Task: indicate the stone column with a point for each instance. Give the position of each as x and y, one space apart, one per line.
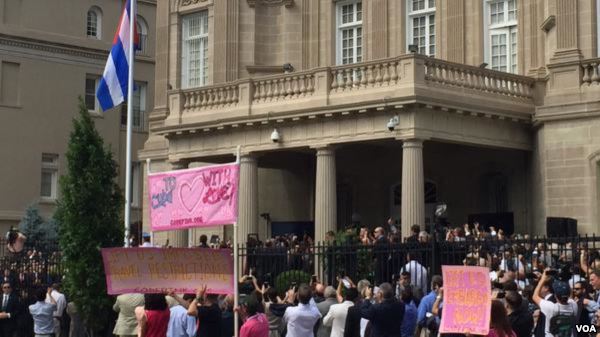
179 238
413 185
325 193
248 198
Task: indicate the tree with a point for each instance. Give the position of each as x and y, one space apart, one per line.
89 213
42 235
31 225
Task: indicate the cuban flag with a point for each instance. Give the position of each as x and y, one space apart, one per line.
112 89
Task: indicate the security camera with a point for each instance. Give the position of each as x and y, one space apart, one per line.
393 123
275 136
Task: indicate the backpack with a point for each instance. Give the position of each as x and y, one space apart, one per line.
563 324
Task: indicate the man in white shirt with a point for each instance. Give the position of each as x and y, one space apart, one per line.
564 306
61 305
336 317
301 319
418 273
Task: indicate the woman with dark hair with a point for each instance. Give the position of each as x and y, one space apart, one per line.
153 317
256 325
499 323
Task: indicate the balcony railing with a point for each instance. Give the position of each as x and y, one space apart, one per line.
388 79
591 72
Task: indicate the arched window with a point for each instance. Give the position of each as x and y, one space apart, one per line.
142 30
94 23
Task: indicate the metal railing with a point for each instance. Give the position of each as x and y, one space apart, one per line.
384 262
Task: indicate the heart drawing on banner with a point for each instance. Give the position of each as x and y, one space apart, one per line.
191 194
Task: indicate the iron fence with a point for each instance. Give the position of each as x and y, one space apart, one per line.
384 262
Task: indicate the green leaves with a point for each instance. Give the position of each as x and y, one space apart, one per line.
89 211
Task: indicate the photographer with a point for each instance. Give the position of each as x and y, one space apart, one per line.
520 320
560 316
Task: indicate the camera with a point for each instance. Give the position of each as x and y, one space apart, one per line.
266 284
275 136
393 122
294 284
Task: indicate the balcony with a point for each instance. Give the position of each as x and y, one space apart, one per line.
392 82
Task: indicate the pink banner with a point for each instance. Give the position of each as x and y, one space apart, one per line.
467 300
157 270
199 197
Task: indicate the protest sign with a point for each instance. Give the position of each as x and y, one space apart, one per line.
199 197
467 300
157 270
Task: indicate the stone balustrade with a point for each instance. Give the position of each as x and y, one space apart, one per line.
276 88
364 75
390 80
455 74
216 96
591 72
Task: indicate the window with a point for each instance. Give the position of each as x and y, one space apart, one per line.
94 22
421 26
195 50
9 83
349 36
91 85
49 176
142 30
139 108
135 184
501 44
598 27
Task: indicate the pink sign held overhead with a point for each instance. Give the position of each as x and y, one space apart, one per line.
467 300
199 197
159 270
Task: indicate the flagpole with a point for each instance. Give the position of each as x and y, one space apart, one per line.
132 17
236 317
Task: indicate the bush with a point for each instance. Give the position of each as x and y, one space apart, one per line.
285 280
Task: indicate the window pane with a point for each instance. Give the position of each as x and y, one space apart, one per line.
512 10
90 94
359 11
46 186
92 24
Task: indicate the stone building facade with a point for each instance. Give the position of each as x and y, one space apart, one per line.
383 108
51 52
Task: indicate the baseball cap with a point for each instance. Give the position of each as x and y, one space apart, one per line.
561 289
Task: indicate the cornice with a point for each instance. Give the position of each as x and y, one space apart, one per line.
59 48
286 3
191 2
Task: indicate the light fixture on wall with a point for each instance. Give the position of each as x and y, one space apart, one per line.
393 122
483 65
275 137
413 48
288 68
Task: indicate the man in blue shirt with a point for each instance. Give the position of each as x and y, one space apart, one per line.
426 304
42 313
409 322
180 323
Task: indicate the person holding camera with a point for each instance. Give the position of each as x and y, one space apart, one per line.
386 315
560 316
301 319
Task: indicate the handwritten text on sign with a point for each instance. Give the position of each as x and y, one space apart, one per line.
154 270
467 300
204 196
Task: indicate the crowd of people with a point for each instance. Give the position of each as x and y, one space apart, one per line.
533 281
